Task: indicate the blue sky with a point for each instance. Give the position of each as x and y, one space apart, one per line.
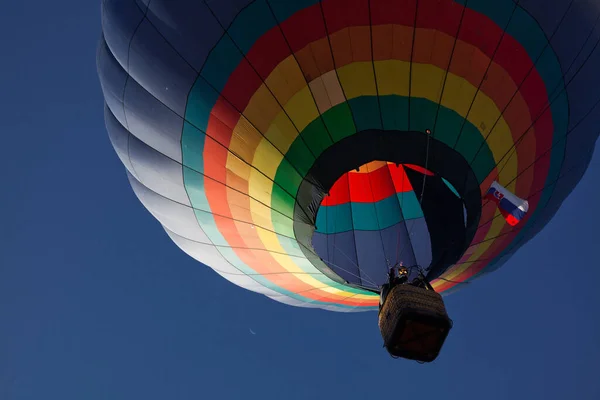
97 303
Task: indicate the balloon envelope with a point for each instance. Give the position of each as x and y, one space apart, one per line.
300 148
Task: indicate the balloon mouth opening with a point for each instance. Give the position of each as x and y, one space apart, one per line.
366 196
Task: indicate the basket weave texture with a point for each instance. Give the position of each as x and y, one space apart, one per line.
404 301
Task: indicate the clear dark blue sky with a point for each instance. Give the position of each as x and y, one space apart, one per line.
97 303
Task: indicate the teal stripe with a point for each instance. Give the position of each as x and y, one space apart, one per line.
192 147
201 100
284 9
222 61
336 218
194 186
251 24
451 187
411 208
368 216
365 110
394 111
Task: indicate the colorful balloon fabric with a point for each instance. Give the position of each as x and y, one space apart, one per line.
301 148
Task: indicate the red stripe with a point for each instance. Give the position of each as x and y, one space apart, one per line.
339 193
417 168
222 121
381 183
360 188
399 178
242 85
368 187
264 63
341 14
384 12
296 28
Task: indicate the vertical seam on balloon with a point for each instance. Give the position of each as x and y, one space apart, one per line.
128 59
354 231
144 12
433 129
407 221
326 228
335 218
374 203
437 112
412 51
483 78
373 66
533 66
399 202
335 65
300 68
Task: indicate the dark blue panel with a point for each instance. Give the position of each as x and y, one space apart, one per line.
584 49
188 26
376 250
157 67
396 244
547 13
143 4
226 11
339 253
421 242
371 258
581 98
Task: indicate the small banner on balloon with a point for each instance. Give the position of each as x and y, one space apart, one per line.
512 208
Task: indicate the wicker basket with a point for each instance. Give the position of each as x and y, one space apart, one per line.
414 323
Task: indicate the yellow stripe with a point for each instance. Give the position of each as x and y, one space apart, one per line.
392 78
301 109
286 80
357 79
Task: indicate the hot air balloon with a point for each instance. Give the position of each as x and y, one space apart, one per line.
304 149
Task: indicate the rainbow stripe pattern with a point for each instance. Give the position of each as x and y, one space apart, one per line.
269 86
